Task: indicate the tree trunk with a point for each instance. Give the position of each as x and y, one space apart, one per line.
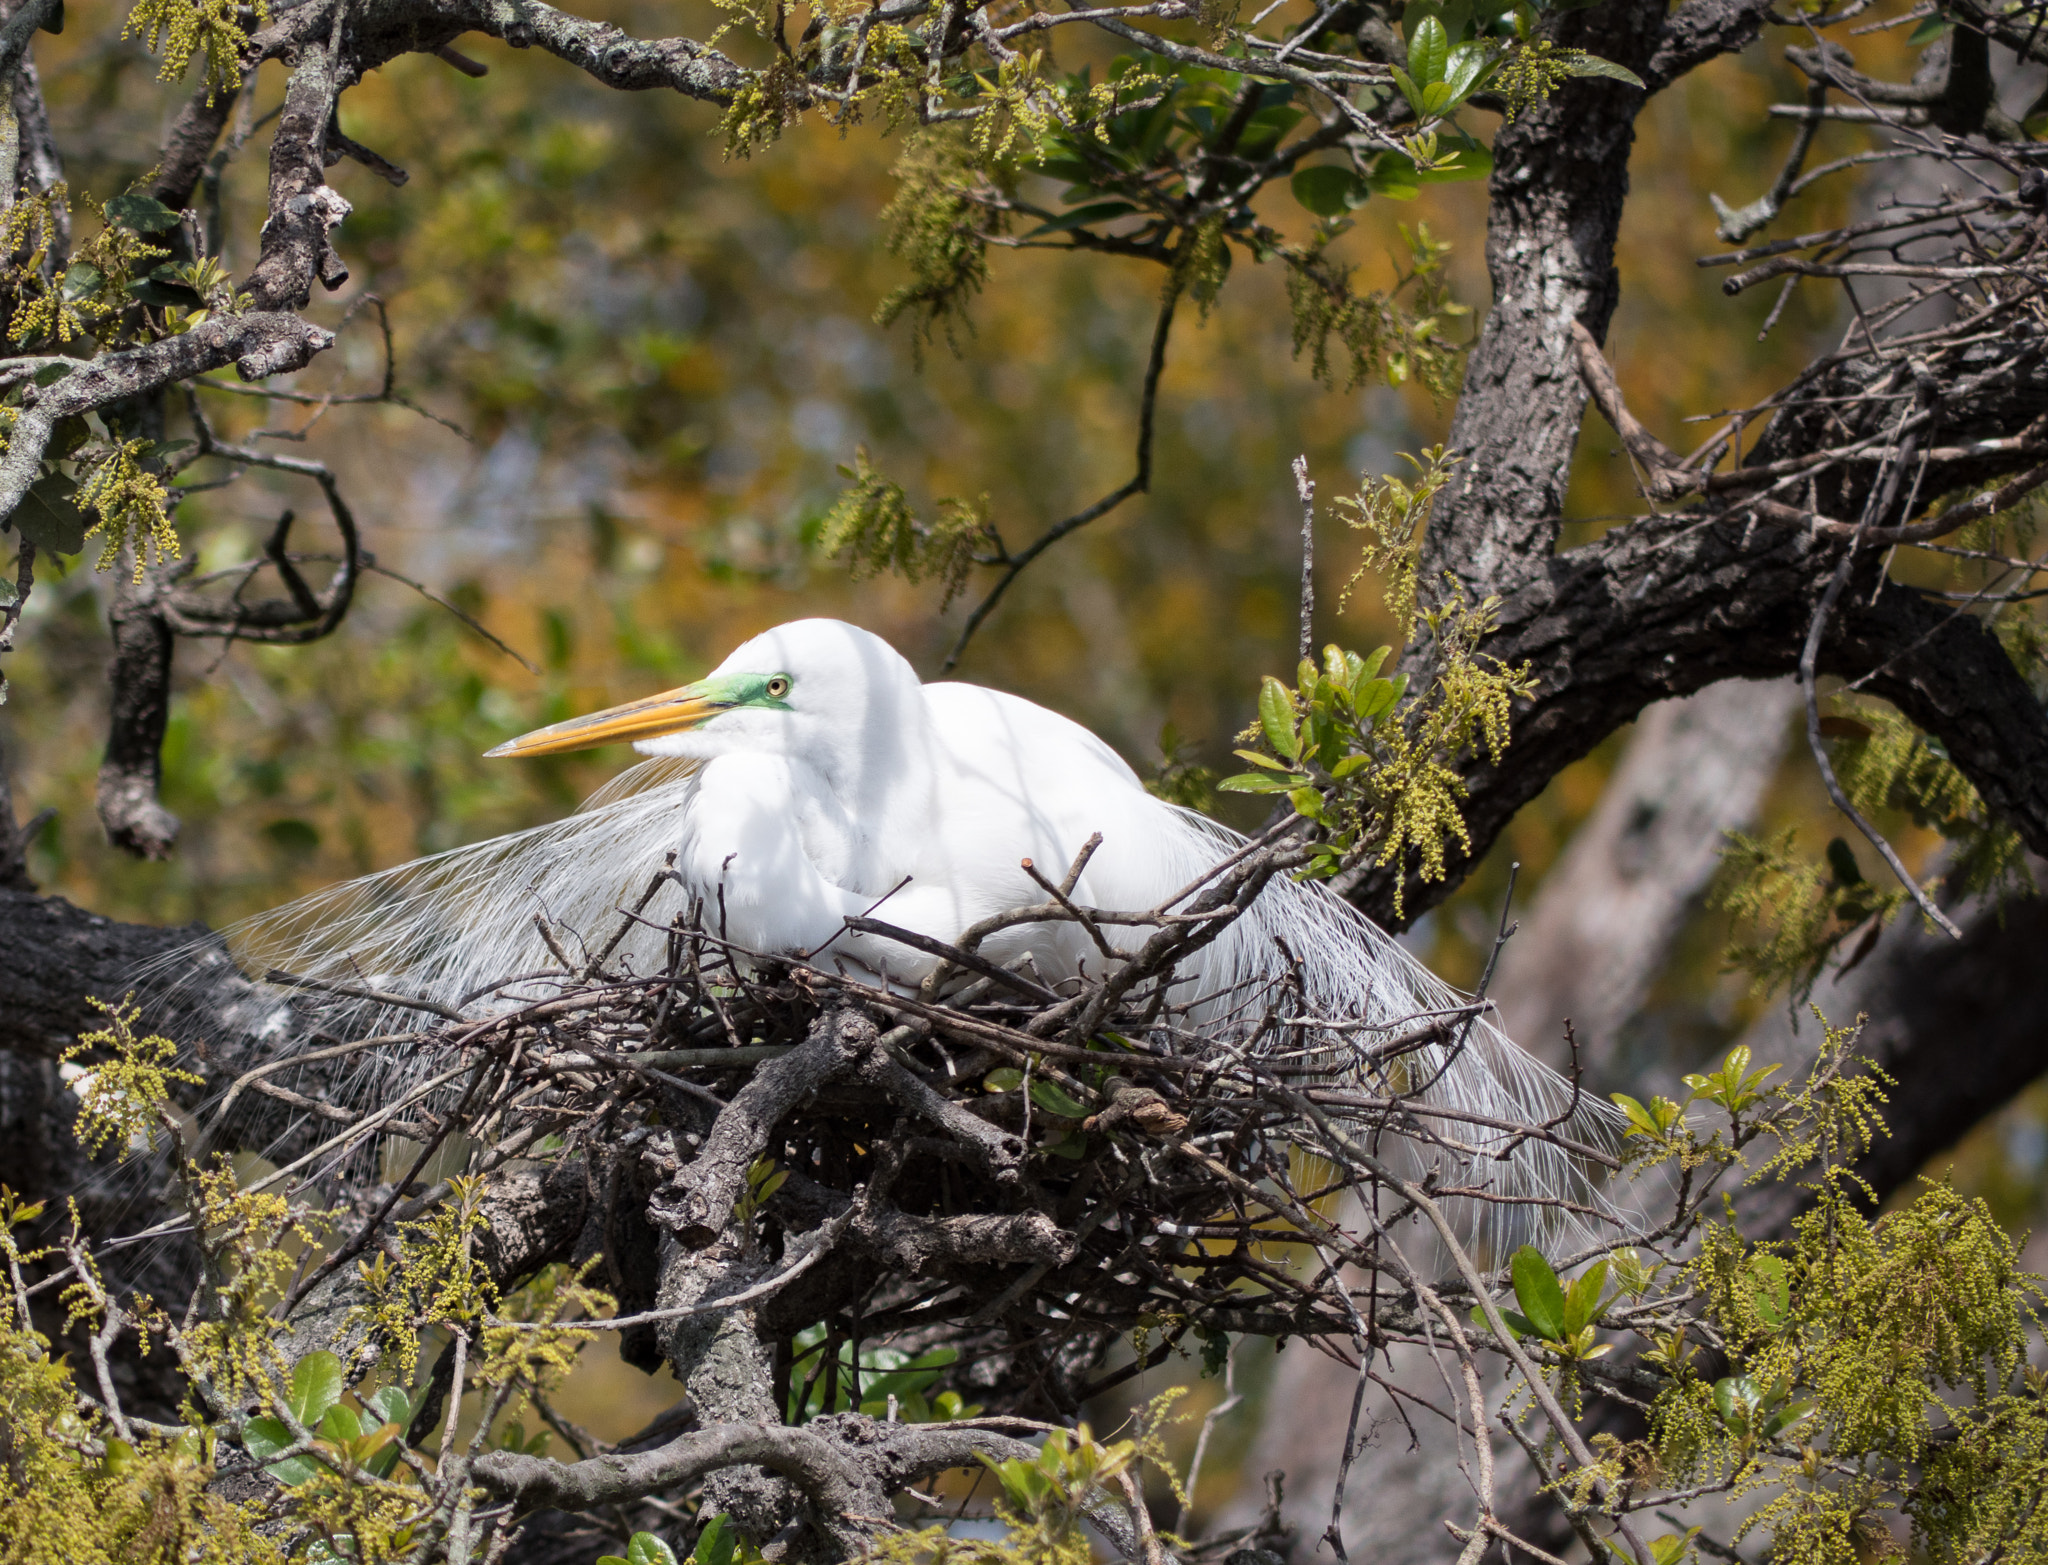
1604 919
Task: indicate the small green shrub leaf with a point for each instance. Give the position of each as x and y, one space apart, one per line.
316 1387
1537 1291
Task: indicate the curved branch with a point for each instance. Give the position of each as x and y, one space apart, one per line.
258 343
601 50
1671 604
814 1464
1140 483
1703 30
305 615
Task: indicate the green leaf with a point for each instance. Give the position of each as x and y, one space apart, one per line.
1049 1096
716 1542
1582 1299
1842 860
1468 65
394 1404
1515 1321
141 214
1428 51
1006 1079
341 1424
66 436
1771 1285
1735 1399
1416 12
1412 93
163 293
1367 667
1265 131
1395 172
1276 716
1670 1548
382 1446
1257 759
1376 697
1260 782
82 280
1593 65
1640 1121
374 1445
48 518
1307 802
1081 217
265 1437
1329 735
1930 28
1158 126
1788 1415
1537 1291
1072 169
646 1549
1328 190
316 1387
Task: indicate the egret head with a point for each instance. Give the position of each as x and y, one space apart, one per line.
817 688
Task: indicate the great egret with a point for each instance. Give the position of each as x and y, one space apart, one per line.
812 778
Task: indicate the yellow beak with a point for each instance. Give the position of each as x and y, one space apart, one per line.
668 713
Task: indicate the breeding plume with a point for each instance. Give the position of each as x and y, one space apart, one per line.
812 779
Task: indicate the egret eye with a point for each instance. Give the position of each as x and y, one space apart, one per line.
778 687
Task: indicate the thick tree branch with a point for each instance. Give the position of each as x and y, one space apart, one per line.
1671 604
189 144
1699 31
609 55
259 343
138 707
697 1202
1559 181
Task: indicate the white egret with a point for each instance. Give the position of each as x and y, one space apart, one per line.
812 778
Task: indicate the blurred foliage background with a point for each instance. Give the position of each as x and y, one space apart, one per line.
658 359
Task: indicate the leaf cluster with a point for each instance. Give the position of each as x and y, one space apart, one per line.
1046 1498
184 28
872 525
1804 911
1379 334
1372 765
93 482
1875 1373
939 224
125 1097
1880 1376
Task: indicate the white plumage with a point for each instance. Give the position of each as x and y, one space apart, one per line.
812 777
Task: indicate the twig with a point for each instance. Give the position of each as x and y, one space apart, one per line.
1140 483
1305 490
